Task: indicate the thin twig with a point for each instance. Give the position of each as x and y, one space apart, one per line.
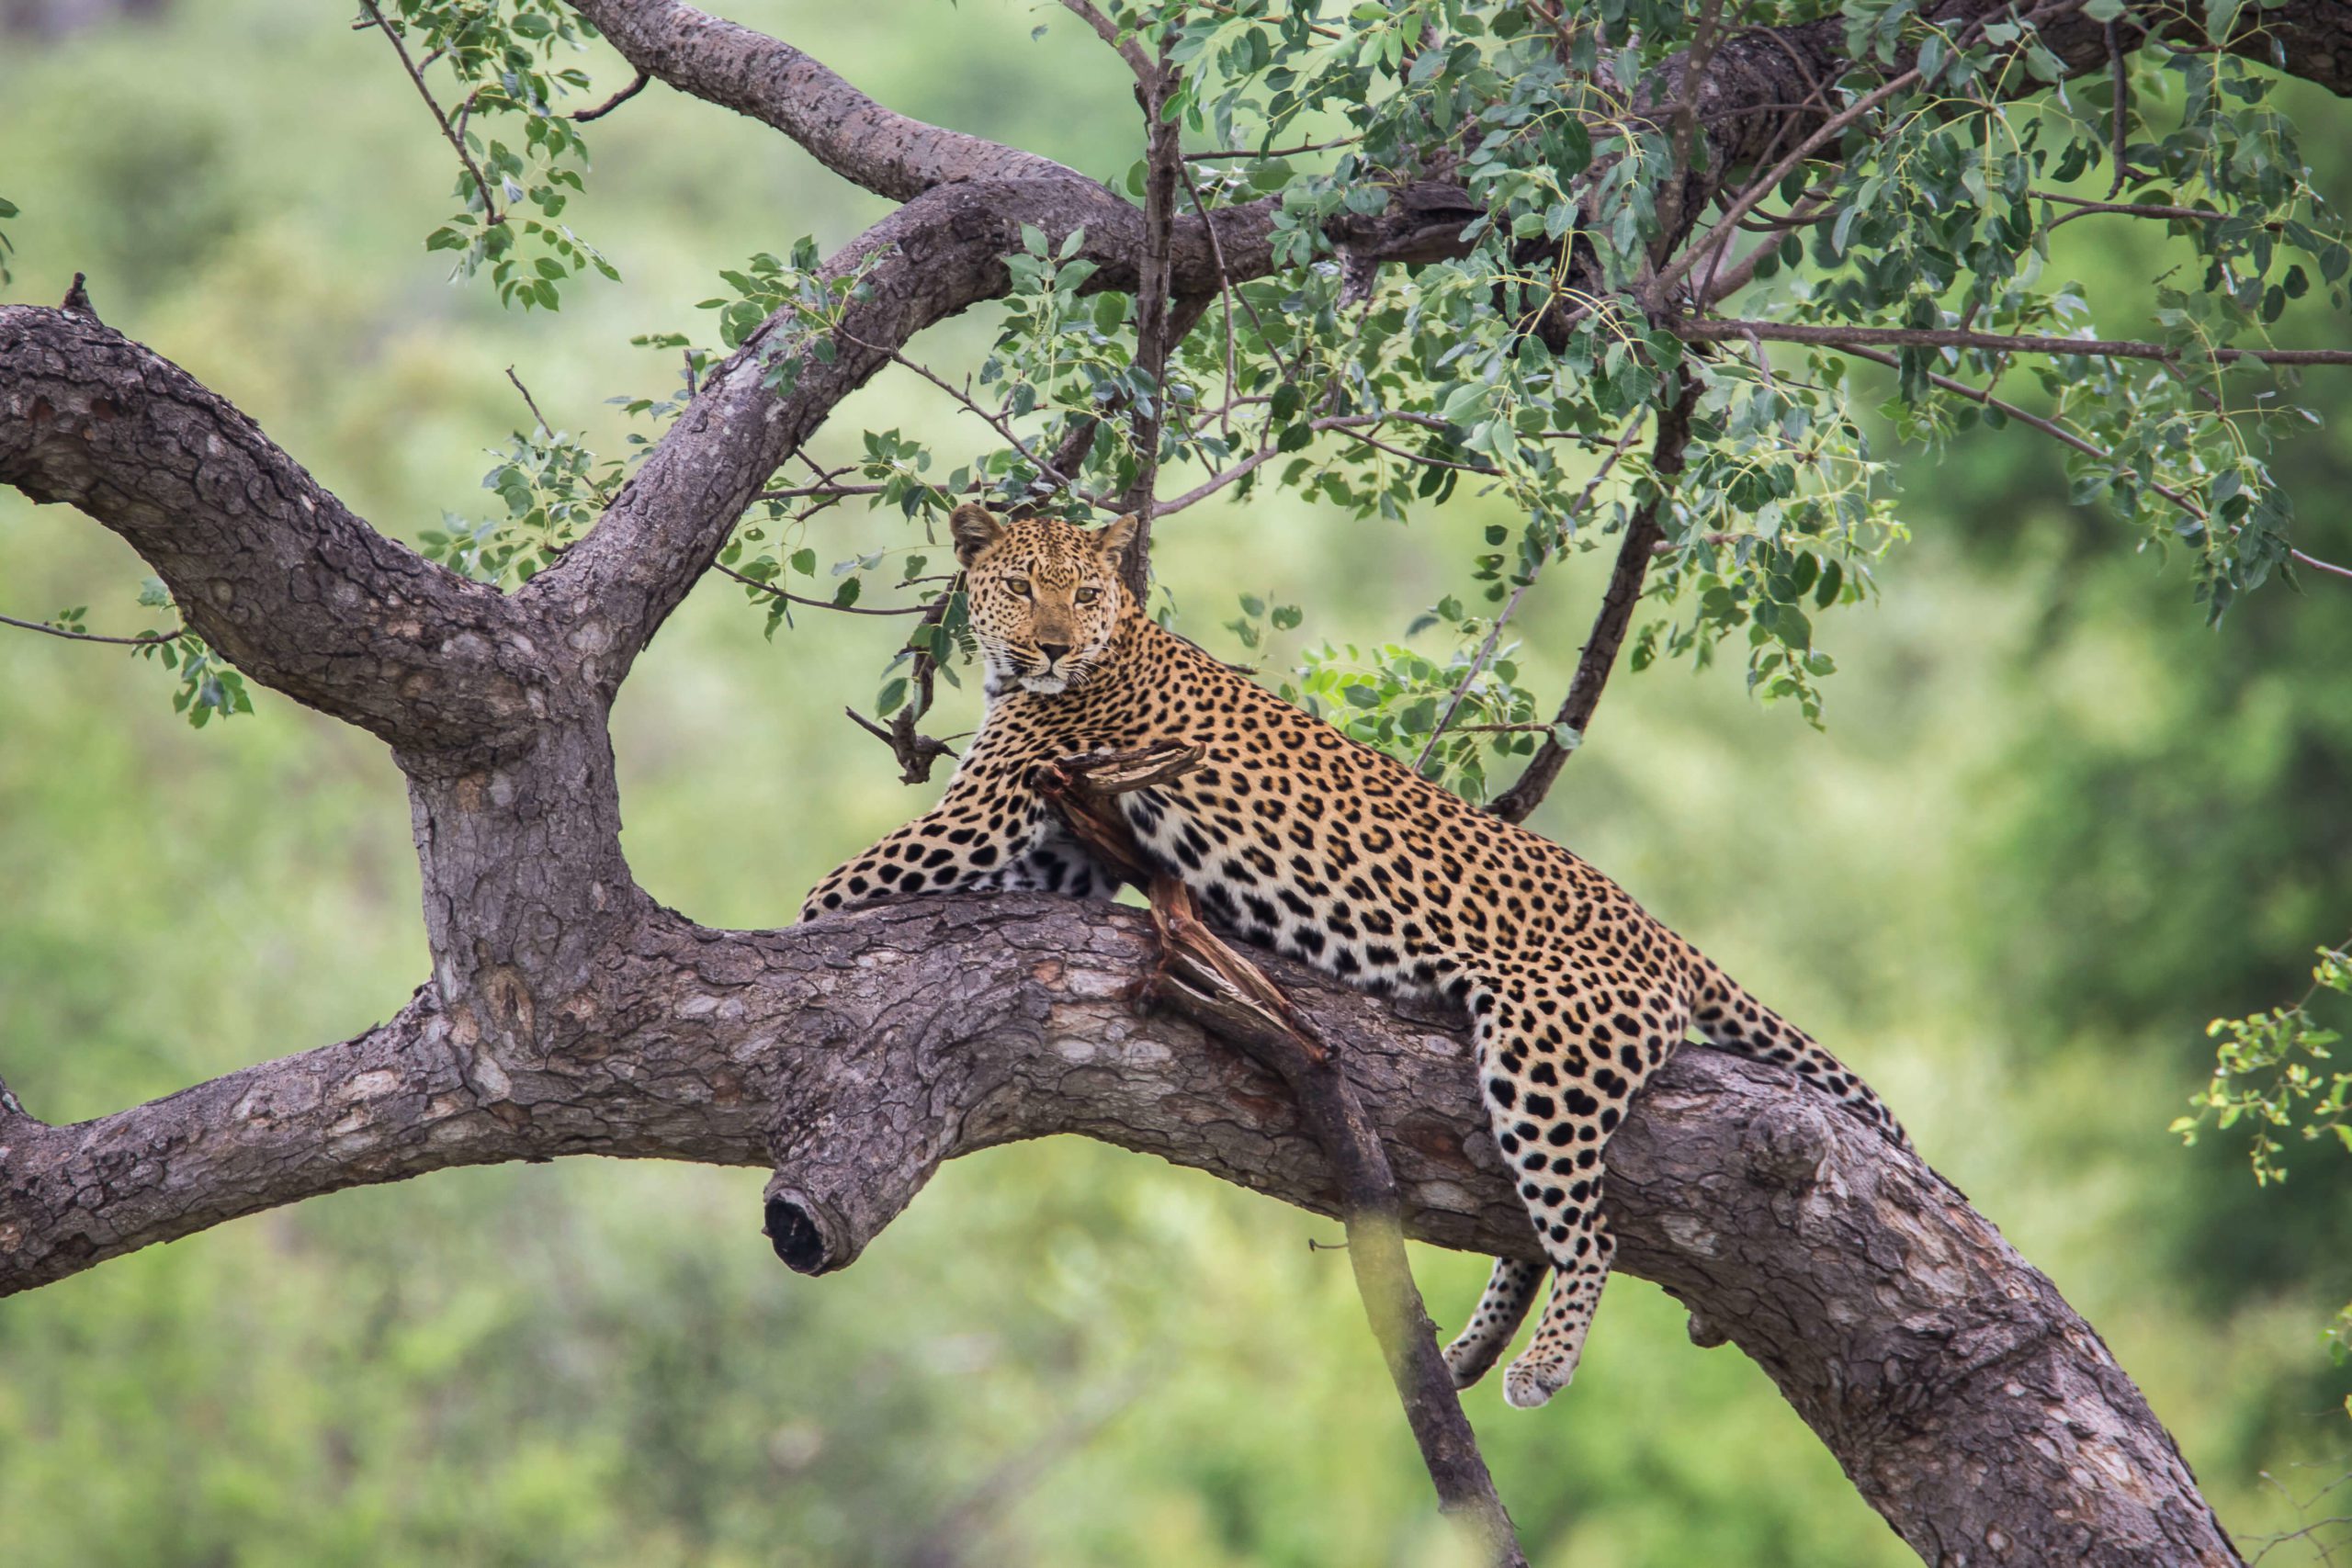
615 101
1224 287
2048 427
146 639
1502 729
491 216
1712 331
2119 74
916 751
1273 152
1108 31
1078 440
529 401
1495 633
2057 432
1474 466
1251 464
818 603
1770 180
1642 532
828 492
2086 208
993 421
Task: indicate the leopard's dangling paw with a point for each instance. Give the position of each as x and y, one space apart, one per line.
1530 1385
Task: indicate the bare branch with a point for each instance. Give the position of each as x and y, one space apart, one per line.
527 401
715 60
2084 207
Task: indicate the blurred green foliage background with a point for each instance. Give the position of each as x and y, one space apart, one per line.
2054 826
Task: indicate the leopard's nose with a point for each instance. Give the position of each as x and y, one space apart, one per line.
1055 652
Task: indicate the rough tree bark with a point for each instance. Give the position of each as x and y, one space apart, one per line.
568 1013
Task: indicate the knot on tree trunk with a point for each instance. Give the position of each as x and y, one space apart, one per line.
1787 1144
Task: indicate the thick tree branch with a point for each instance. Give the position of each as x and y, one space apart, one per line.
937 256
885 152
266 566
1955 1386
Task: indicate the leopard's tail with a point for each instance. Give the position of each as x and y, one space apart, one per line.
1730 1020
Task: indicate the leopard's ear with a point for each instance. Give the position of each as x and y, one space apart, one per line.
1113 539
975 528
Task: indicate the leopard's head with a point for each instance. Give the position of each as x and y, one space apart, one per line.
1046 597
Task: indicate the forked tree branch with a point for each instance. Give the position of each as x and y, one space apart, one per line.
265 565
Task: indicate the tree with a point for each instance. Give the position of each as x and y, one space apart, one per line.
1510 240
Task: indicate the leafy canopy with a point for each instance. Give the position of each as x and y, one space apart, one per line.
1385 395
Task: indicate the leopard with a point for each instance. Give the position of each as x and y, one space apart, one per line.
1291 835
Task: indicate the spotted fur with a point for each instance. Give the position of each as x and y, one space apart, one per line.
1294 836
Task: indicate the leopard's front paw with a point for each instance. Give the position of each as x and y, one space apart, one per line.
1473 1355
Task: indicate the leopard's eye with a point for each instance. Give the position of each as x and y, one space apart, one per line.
1019 585
1088 595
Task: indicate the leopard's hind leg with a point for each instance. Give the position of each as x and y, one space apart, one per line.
1558 1061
